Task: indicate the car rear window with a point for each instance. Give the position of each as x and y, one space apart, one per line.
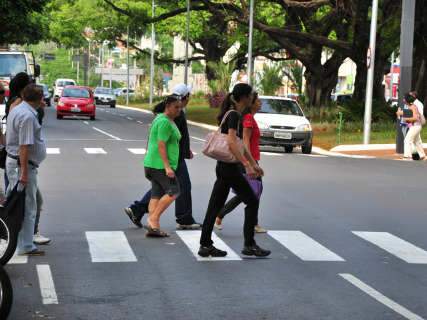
274 106
104 91
75 93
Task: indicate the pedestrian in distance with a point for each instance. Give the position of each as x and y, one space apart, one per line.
26 150
230 176
161 162
412 117
183 204
251 137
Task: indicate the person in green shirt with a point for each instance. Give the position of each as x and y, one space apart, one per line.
161 162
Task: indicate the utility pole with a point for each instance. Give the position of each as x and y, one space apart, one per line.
406 52
187 34
127 63
371 69
251 32
153 42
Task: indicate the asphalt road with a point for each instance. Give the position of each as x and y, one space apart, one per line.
99 266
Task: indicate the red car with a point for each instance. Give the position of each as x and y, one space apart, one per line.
76 101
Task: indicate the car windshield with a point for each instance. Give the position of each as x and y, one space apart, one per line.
274 106
104 91
12 64
75 93
65 83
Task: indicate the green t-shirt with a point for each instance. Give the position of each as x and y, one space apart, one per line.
162 129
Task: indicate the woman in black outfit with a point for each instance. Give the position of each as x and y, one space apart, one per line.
230 175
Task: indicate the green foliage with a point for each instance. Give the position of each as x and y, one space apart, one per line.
22 21
223 73
58 68
270 79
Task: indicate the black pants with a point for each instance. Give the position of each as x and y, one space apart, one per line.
230 176
232 204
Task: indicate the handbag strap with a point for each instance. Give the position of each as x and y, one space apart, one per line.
225 118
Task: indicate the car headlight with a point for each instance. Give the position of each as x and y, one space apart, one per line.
304 127
263 126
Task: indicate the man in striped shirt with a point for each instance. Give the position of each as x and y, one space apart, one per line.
26 150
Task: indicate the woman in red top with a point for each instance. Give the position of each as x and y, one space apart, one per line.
251 136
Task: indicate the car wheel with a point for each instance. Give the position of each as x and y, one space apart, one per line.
92 118
289 149
59 117
113 106
306 148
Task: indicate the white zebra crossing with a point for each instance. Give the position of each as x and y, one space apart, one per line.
137 151
53 151
95 151
303 246
396 246
109 246
191 239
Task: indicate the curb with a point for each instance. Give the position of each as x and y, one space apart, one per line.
316 150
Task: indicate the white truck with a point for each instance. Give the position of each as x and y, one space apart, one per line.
13 62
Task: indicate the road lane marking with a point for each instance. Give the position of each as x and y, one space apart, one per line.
95 151
106 133
271 154
122 115
396 246
198 139
312 155
303 246
47 286
380 297
85 122
17 259
137 151
53 151
129 118
191 238
109 246
140 122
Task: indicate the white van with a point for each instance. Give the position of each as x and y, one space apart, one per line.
283 123
59 86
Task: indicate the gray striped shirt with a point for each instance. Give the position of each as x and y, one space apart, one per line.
23 128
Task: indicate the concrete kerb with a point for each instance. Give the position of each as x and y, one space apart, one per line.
316 150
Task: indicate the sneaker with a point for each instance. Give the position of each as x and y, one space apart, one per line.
218 226
211 251
40 240
132 217
259 229
193 226
256 251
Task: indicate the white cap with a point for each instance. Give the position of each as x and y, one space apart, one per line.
181 90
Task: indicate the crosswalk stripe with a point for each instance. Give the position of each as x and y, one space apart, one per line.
95 151
16 259
272 154
396 246
47 286
380 297
53 151
312 155
191 239
109 246
303 246
137 151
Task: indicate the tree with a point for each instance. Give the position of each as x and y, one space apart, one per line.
420 48
270 79
22 21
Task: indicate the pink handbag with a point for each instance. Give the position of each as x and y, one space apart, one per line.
216 145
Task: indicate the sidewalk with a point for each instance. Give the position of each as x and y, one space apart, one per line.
384 151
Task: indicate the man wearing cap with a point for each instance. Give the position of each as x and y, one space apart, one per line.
183 204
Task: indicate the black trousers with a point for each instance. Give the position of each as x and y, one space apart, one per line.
230 176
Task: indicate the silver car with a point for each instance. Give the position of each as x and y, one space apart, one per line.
105 96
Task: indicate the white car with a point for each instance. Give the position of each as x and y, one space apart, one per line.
121 92
59 86
105 96
283 123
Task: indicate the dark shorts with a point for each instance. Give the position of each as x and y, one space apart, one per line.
161 184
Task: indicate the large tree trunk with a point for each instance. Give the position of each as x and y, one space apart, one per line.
322 80
419 72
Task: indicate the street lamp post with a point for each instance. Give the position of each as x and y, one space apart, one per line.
153 42
127 67
251 30
187 35
371 68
